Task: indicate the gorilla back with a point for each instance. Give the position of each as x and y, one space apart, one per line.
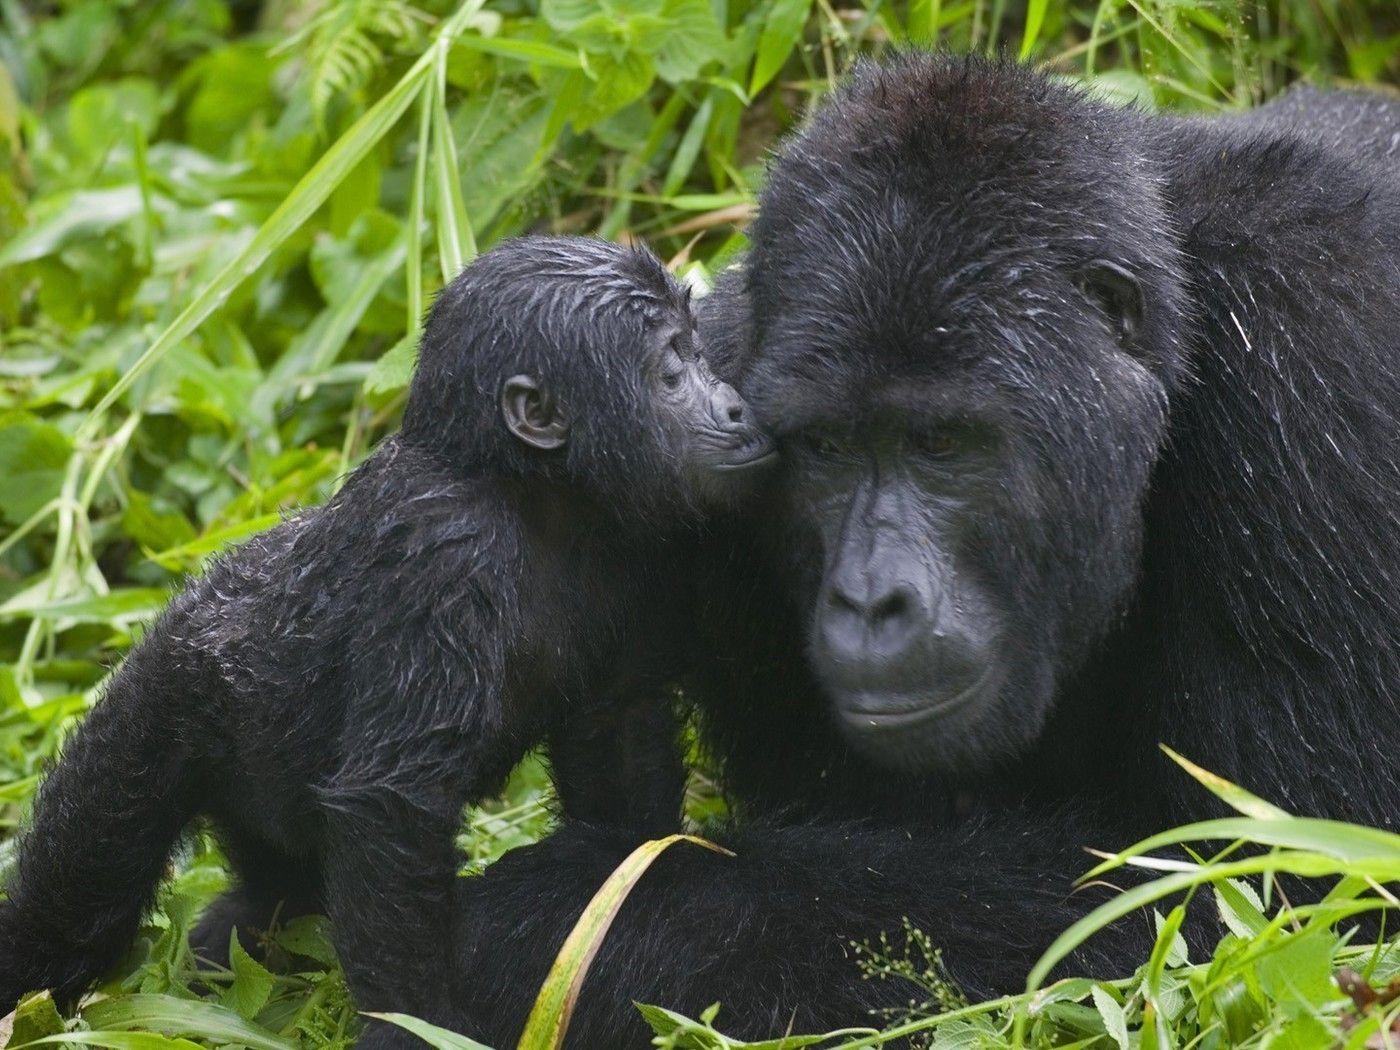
333 692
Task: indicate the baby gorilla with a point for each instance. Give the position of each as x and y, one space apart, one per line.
331 694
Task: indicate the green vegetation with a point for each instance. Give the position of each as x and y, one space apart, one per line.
219 225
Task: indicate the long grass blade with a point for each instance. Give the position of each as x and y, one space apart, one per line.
549 1020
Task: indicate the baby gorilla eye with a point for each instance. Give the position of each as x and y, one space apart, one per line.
672 370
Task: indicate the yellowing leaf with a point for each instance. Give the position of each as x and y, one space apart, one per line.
549 1019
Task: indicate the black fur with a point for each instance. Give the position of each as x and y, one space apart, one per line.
333 692
1183 528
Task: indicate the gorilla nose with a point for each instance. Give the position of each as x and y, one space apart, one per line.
879 614
728 407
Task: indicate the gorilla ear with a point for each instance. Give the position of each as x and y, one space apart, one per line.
530 413
1118 293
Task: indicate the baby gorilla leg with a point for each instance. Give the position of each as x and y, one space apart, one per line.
273 888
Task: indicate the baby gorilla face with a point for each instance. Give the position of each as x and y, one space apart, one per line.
707 425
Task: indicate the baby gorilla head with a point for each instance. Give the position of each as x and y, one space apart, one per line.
578 360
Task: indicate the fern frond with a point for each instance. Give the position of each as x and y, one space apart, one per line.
343 45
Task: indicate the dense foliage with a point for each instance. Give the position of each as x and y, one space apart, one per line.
219 225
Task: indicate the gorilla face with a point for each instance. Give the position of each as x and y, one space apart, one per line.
968 379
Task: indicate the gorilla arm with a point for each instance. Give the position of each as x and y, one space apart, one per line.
768 933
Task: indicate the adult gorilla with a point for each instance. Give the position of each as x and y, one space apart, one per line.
1091 428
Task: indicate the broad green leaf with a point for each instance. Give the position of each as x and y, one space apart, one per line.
252 983
1298 973
36 1017
113 1040
533 51
549 1019
68 217
689 39
308 935
33 457
186 555
124 605
394 369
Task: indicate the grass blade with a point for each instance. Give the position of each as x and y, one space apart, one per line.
298 206
431 1034
1234 796
549 1019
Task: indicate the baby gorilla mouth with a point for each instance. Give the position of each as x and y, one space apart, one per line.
750 450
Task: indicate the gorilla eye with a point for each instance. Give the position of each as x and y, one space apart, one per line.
948 440
940 442
671 380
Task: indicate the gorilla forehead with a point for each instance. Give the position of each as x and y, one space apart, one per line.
929 222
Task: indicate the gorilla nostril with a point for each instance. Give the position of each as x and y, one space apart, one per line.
843 603
736 413
893 606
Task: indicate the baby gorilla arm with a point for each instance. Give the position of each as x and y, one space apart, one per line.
422 739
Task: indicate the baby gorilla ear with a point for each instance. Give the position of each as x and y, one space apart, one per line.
531 414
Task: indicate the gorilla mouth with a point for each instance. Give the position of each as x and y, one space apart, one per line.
755 452
867 711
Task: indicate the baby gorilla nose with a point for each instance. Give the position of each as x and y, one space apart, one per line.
728 405
740 444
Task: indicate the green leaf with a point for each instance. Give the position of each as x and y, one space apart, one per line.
1035 17
33 457
186 555
456 243
192 1017
1111 1010
308 935
67 217
620 82
549 1019
1298 973
1233 795
36 1017
532 51
124 605
689 40
114 1040
299 205
1240 908
394 369
252 983
152 527
434 1036
781 32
